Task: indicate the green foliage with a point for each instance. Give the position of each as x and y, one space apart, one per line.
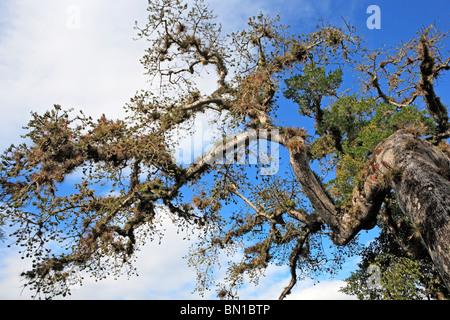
351 127
400 280
308 88
405 267
376 123
364 123
401 277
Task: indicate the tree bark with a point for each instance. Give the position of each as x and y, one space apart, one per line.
417 171
423 192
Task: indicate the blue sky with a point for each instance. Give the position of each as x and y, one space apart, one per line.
93 65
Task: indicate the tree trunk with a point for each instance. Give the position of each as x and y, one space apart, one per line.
417 171
423 192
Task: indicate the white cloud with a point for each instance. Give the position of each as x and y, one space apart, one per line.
324 290
162 273
278 277
44 62
10 268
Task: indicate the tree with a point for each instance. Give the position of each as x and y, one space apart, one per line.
396 265
368 142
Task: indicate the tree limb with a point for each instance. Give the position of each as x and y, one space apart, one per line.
293 260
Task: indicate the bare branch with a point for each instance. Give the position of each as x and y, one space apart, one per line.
293 261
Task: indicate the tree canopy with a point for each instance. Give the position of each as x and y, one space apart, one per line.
373 143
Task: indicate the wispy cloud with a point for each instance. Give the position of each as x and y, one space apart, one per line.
43 61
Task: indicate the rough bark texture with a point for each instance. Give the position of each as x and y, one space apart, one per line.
423 191
416 170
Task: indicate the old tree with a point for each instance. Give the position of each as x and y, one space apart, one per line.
375 155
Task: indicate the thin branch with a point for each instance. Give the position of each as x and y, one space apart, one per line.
293 260
235 190
206 102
